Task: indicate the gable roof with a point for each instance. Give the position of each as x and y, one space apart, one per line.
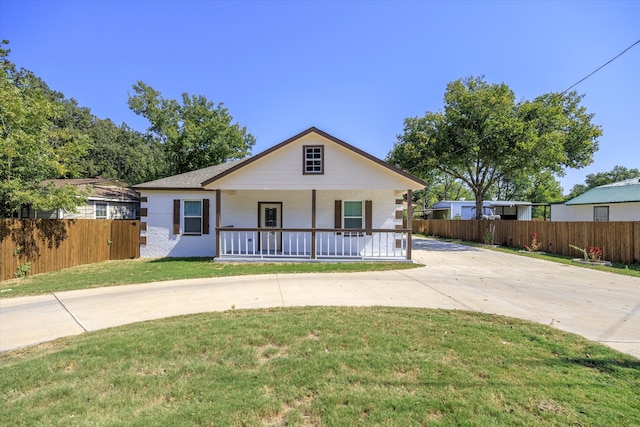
324 135
618 192
196 180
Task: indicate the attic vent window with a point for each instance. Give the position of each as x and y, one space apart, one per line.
313 160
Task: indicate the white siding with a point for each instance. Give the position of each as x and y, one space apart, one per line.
560 212
82 212
465 212
161 242
624 212
617 212
115 210
524 213
343 169
239 209
583 213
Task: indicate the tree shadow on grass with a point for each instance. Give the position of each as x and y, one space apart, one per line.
605 365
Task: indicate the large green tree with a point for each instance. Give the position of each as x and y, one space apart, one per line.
112 151
34 146
195 133
119 152
618 173
484 135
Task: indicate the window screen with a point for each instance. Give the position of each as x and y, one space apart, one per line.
192 216
353 215
101 211
601 213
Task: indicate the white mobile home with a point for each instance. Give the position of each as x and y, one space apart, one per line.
466 209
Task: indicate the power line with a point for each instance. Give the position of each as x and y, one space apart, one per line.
600 67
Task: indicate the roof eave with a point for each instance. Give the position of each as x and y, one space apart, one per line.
111 199
606 202
170 188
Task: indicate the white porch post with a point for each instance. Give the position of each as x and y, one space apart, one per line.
313 224
218 223
409 221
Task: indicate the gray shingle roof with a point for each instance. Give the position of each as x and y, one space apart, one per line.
99 188
189 180
618 192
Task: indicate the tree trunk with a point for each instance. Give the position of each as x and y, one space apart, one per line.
479 210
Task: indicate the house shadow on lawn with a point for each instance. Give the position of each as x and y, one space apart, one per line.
179 259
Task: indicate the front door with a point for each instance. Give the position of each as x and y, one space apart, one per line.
270 216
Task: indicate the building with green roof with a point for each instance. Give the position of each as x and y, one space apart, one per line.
619 201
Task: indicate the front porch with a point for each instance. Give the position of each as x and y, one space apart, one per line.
307 244
360 232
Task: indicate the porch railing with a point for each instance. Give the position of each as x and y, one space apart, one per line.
305 243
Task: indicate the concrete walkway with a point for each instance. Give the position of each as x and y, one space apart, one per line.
601 306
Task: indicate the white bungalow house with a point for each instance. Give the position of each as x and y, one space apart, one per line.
492 209
312 196
619 201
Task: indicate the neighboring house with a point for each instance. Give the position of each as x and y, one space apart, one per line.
493 209
312 196
106 199
619 201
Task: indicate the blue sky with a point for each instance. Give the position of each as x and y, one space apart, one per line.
355 69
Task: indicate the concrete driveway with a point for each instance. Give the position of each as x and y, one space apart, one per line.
601 306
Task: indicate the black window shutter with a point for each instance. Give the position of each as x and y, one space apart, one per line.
368 216
337 222
205 216
176 216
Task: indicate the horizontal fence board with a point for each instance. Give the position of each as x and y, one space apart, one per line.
619 241
52 244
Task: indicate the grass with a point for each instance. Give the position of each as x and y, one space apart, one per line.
115 273
321 366
632 270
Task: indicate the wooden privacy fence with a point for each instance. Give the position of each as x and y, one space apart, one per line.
41 245
619 241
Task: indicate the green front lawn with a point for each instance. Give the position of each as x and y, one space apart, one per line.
322 366
114 273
